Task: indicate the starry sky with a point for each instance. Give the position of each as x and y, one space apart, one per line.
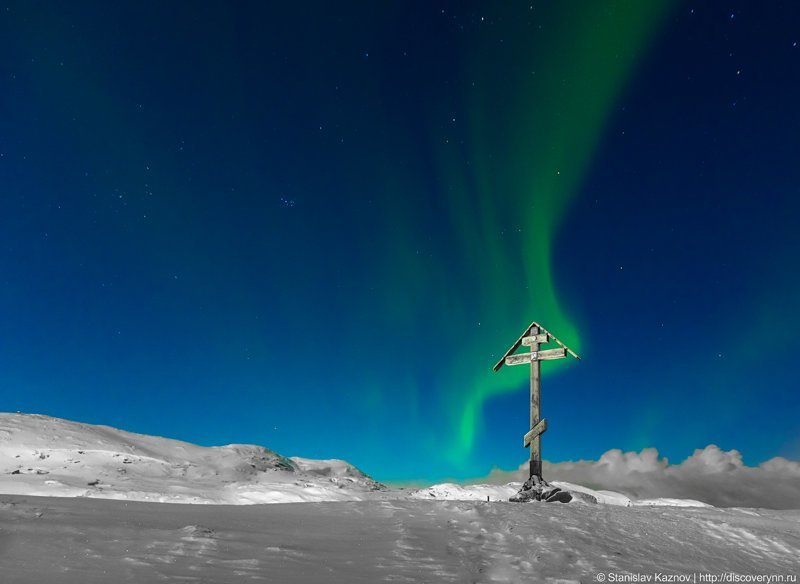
316 226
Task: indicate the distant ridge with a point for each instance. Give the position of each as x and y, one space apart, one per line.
42 455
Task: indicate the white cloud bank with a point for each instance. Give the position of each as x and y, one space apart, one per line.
710 475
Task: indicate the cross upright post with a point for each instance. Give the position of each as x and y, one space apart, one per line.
534 336
536 443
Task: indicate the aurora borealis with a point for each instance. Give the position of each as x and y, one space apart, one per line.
316 228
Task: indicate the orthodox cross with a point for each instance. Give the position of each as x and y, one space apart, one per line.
534 336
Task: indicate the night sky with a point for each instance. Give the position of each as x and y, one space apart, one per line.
316 226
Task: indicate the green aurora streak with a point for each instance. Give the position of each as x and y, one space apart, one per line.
537 105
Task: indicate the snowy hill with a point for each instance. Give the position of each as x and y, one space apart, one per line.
46 456
580 494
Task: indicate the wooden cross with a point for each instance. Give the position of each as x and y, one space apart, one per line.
534 336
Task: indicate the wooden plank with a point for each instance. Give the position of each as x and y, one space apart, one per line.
513 347
548 355
554 338
538 429
521 359
551 354
534 339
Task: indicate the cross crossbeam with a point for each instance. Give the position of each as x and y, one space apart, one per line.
524 358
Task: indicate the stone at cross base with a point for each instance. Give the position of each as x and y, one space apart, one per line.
538 489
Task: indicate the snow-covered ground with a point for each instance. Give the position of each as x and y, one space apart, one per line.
76 540
56 527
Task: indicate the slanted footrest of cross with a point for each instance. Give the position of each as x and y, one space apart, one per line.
539 428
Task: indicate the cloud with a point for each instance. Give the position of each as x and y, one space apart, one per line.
711 475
